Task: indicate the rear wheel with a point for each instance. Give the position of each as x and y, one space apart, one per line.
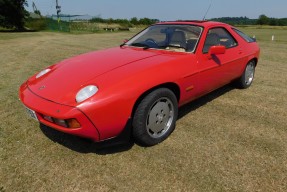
155 117
247 77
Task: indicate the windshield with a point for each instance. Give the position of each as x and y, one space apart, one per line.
182 38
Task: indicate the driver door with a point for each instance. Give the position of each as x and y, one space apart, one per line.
219 69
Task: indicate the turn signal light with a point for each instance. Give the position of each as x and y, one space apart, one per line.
73 123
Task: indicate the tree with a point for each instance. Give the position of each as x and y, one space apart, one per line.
97 20
134 21
13 13
282 22
38 12
273 22
146 21
263 20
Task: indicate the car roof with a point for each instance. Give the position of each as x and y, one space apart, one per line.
203 23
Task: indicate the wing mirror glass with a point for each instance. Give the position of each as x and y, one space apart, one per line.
216 50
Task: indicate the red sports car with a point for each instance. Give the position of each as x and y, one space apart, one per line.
143 81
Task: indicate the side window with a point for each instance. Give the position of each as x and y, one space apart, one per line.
244 36
218 36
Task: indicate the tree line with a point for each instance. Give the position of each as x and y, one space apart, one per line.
128 22
262 20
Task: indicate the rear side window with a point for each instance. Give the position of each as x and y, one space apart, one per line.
244 36
219 36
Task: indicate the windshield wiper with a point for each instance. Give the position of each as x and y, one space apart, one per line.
144 46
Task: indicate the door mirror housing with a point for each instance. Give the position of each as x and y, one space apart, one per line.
216 50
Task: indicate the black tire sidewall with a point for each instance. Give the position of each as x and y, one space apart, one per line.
140 133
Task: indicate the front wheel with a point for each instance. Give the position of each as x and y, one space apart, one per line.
155 117
247 77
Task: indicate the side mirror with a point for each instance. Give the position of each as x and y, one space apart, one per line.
125 40
216 50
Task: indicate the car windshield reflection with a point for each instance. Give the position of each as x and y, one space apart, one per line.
181 38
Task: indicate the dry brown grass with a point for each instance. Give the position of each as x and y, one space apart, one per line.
229 140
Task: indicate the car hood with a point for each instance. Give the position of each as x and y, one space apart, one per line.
66 78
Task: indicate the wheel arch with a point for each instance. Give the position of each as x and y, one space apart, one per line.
171 86
255 59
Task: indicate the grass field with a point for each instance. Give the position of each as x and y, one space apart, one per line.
229 140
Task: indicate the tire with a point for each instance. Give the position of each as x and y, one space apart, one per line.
155 116
247 76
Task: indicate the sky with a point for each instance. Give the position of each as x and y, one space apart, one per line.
165 10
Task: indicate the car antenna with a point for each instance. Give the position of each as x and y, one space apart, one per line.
207 10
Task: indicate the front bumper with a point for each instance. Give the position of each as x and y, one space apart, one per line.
44 107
